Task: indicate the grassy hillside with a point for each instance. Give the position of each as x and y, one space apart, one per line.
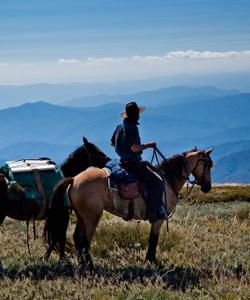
205 255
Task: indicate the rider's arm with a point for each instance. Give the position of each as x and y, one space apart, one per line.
141 147
134 141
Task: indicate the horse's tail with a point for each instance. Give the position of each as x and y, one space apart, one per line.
58 215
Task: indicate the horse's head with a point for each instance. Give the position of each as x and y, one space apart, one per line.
200 164
96 156
83 157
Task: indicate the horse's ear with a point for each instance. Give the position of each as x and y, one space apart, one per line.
85 141
209 150
195 148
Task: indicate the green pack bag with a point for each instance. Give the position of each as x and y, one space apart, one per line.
38 177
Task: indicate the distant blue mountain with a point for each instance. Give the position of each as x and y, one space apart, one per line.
43 129
230 148
2 161
171 95
36 149
57 93
234 167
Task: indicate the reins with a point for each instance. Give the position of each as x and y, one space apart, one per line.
157 152
155 156
192 182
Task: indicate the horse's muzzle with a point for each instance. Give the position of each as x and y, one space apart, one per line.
205 188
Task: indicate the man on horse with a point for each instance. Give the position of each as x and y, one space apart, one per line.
128 146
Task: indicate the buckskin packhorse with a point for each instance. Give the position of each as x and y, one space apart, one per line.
90 195
24 209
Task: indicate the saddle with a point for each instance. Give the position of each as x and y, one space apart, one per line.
128 193
127 182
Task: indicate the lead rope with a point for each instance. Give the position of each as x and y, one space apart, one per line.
188 192
28 237
154 156
192 182
34 229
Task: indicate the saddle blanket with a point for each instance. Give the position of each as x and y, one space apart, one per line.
126 208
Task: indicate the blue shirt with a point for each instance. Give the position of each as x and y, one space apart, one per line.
126 135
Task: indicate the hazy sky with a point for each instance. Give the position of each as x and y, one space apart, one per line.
93 40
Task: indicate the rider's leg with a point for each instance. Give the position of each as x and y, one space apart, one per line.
155 190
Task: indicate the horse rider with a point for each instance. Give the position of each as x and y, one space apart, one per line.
128 146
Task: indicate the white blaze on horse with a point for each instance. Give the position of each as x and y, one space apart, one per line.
90 195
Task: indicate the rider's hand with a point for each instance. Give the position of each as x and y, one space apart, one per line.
152 145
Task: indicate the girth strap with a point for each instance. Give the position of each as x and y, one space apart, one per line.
40 188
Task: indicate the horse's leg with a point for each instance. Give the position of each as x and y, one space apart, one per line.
48 252
82 246
2 217
153 240
77 236
82 236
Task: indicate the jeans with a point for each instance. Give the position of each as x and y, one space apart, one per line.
155 189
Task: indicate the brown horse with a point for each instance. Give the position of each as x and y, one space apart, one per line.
89 195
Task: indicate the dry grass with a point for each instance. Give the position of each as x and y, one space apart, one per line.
204 256
220 193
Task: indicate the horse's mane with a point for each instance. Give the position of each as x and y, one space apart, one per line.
77 150
173 166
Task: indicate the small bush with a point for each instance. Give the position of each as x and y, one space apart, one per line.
219 194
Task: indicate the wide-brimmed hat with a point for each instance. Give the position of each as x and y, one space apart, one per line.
132 108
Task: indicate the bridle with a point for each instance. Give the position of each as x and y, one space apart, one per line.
206 166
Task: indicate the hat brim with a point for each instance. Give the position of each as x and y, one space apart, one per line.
141 110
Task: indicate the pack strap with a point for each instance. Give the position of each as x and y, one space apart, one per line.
40 188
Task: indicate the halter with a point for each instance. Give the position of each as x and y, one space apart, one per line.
187 178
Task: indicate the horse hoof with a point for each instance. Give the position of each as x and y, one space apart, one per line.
1 270
45 258
151 260
85 269
63 260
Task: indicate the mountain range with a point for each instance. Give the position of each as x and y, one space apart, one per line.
13 95
172 95
178 121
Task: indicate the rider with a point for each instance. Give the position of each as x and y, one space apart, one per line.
128 146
